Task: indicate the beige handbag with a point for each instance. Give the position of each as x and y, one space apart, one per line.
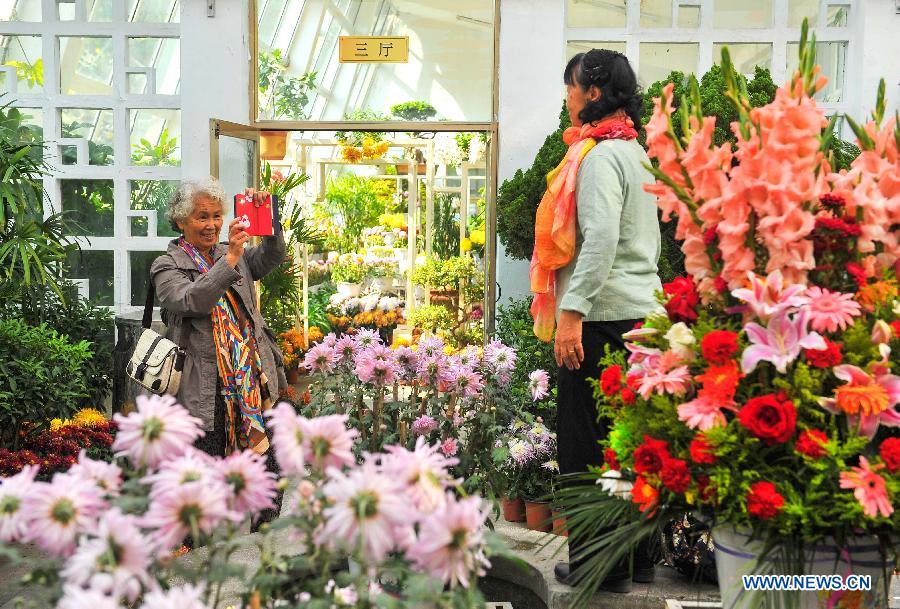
157 362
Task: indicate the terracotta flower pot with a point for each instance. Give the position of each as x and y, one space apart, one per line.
559 524
293 376
513 509
537 515
273 145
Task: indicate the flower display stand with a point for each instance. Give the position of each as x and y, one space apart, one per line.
737 555
349 290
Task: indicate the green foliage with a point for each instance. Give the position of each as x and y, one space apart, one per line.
445 243
356 138
432 318
444 274
280 95
355 203
348 272
98 154
31 73
414 111
162 152
41 376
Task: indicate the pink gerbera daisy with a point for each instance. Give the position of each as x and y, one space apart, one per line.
367 510
869 489
113 560
107 476
183 597
56 512
159 429
252 486
830 311
423 470
703 412
12 493
287 439
320 359
186 509
327 442
451 543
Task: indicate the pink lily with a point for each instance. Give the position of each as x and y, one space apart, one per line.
868 400
781 342
768 296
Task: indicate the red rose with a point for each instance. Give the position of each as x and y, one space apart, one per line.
611 380
675 475
718 346
702 451
769 418
811 443
763 501
649 456
683 300
828 357
611 459
634 381
628 396
890 454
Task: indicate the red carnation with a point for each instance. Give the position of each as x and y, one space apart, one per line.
834 203
628 396
705 489
771 418
858 273
811 442
828 357
890 454
683 300
895 326
675 475
649 456
702 451
611 459
764 501
718 346
611 380
720 284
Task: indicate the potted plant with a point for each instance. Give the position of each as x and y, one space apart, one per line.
382 271
528 450
767 409
363 145
414 111
348 275
445 277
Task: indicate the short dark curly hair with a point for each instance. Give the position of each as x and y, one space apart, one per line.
610 72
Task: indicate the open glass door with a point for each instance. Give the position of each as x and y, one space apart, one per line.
233 156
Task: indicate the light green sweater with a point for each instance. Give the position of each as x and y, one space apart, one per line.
613 274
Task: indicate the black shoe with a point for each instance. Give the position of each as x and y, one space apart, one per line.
647 575
619 585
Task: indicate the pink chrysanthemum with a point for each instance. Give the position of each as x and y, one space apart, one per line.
346 350
375 371
330 339
538 382
56 512
327 442
321 359
367 510
287 439
424 425
173 514
431 346
12 493
367 337
423 470
432 370
192 466
107 476
252 486
113 560
408 360
465 382
831 311
869 489
449 447
183 597
75 597
158 429
451 543
499 358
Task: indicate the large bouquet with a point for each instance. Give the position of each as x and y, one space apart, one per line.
766 395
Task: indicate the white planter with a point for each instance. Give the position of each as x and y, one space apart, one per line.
348 290
736 556
382 284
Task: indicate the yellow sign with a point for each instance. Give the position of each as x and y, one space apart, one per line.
374 49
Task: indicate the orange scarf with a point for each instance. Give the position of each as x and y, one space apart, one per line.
555 228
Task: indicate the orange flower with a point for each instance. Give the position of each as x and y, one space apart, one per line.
869 398
720 382
877 293
645 495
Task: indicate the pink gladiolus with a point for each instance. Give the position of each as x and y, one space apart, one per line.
831 311
868 400
769 296
451 543
869 489
781 342
252 486
158 429
13 491
56 512
327 442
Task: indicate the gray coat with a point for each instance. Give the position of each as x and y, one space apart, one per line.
187 296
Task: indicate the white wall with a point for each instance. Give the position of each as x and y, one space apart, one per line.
532 50
880 50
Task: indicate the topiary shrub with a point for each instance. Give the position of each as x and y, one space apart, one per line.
41 377
414 111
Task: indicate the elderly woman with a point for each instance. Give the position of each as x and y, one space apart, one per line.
594 271
233 370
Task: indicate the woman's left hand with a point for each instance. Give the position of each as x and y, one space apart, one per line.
259 196
567 347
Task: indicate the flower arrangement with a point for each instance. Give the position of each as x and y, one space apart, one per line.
111 528
374 310
386 236
530 464
765 395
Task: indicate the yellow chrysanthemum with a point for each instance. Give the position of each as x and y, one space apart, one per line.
351 154
477 236
57 423
466 245
88 417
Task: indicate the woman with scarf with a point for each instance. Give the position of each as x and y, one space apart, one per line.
593 271
233 370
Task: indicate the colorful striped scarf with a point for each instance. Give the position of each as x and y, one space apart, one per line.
240 369
555 228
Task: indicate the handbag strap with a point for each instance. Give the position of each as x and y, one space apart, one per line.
147 320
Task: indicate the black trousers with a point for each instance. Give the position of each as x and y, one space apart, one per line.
578 429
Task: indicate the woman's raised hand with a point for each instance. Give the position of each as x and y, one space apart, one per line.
237 237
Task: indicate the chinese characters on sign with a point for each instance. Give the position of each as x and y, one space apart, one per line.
374 49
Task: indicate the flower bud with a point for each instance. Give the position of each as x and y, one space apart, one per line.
882 332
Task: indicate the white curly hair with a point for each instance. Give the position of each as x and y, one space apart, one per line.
181 203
